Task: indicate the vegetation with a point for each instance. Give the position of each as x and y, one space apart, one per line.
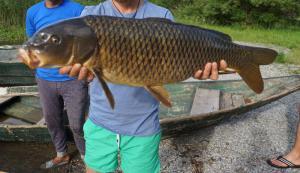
13 12
266 13
11 35
273 22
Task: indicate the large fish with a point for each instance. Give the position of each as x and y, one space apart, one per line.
142 52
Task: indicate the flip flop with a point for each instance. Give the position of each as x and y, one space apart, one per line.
283 160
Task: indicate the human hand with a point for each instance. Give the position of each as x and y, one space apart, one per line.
210 71
79 71
30 60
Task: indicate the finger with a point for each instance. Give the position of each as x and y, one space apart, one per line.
75 70
214 71
198 74
83 73
20 58
65 70
223 65
34 63
206 71
90 77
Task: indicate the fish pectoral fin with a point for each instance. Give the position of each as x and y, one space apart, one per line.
106 90
160 93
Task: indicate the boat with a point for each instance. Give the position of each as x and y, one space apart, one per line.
12 71
195 105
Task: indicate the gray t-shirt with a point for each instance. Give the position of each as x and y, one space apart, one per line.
136 110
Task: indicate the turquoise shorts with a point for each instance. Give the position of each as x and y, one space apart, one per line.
137 154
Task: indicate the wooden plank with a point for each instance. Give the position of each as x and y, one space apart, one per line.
238 100
24 112
205 101
14 121
6 81
33 116
22 89
226 101
41 122
5 99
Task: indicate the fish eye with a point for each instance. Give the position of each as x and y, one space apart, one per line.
55 39
44 36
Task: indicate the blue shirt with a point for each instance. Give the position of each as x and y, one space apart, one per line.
136 110
39 16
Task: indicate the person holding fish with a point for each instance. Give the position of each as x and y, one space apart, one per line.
133 47
58 91
132 127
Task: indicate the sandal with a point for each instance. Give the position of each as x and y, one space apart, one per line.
283 160
56 162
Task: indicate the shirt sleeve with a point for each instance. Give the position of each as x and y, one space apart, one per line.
90 10
30 29
169 15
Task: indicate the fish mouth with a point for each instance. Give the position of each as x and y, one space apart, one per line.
29 58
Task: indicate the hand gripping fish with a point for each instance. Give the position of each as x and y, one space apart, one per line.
142 52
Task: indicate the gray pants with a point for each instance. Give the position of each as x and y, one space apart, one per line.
54 96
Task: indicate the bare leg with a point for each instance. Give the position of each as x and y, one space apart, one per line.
294 155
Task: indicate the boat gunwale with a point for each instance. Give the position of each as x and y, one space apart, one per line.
235 80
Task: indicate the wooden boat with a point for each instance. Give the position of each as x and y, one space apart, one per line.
195 105
12 71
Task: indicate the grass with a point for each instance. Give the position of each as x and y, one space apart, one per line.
12 34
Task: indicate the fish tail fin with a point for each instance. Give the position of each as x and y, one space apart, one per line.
250 71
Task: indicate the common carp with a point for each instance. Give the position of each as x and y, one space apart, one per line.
142 52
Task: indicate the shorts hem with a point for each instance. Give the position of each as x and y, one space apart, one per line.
98 170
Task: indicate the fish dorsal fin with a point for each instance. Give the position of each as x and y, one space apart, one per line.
160 93
106 90
218 33
157 19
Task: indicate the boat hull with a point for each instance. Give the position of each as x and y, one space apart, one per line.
178 119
